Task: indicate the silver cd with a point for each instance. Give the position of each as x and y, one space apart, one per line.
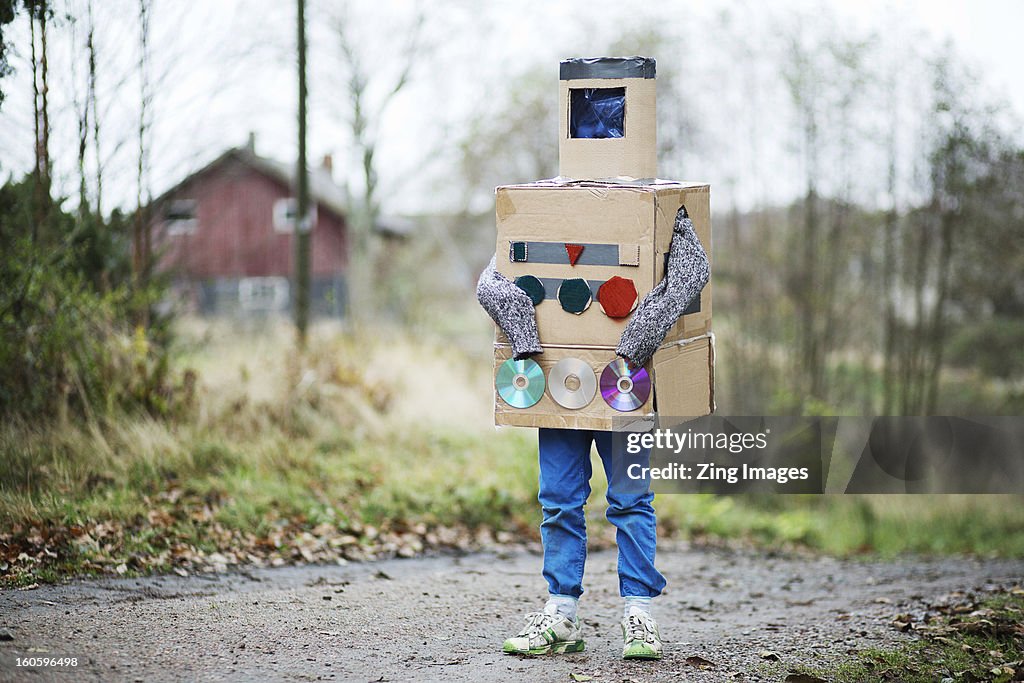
572 383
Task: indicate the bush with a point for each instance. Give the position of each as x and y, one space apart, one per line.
994 346
67 341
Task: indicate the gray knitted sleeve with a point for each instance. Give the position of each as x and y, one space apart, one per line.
687 272
512 310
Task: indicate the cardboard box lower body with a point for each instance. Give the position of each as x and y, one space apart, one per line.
682 375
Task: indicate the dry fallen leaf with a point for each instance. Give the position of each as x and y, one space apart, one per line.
1002 674
580 677
902 622
769 655
699 662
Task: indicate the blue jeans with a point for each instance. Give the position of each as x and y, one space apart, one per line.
565 472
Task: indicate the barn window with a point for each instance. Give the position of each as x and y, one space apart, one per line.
180 217
263 293
285 211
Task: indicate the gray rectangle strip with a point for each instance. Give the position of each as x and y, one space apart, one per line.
551 285
606 67
554 252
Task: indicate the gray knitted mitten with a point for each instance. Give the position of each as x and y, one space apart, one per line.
512 310
687 273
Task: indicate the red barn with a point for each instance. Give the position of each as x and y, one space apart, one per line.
225 233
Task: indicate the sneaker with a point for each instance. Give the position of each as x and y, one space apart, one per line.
640 632
546 632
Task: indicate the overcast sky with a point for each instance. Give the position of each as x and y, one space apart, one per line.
987 32
225 68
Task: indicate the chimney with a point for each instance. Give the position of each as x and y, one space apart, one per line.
328 164
250 145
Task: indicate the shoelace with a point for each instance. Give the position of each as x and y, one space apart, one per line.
536 622
638 628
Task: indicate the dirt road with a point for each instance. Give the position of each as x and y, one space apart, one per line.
443 619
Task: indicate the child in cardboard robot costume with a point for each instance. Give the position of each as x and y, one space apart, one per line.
605 230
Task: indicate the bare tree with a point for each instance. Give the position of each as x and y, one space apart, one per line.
142 234
38 15
82 108
936 233
367 271
804 81
889 237
949 182
93 110
823 69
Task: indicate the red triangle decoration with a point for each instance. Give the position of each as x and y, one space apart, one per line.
574 251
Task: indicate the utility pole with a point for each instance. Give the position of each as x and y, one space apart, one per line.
303 225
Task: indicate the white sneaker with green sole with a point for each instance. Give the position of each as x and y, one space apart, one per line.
641 636
545 633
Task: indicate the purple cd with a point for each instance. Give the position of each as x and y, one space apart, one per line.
624 389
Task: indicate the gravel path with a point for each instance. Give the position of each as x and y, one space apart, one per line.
443 619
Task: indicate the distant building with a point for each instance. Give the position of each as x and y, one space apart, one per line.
225 234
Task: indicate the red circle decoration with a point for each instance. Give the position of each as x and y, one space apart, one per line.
617 297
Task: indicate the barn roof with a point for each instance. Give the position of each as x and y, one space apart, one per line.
327 193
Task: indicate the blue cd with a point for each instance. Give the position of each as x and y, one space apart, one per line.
520 383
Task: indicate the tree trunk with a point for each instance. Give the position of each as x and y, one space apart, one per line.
140 262
40 119
37 180
913 379
809 297
91 47
938 325
834 257
889 323
45 108
82 109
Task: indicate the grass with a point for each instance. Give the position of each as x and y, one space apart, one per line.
882 525
250 486
367 446
981 641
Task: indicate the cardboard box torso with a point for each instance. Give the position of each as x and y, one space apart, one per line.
625 230
627 217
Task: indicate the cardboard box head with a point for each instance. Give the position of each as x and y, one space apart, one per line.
607 124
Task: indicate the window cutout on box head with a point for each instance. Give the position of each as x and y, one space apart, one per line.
597 112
